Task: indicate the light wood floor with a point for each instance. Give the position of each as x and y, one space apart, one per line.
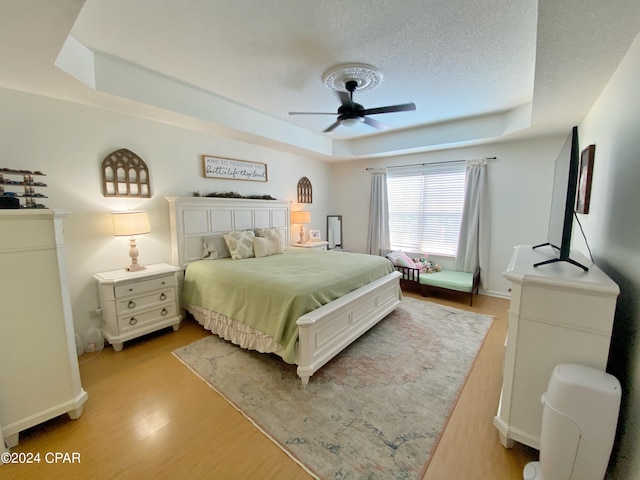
149 417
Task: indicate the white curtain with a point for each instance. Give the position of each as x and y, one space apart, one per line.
378 235
473 244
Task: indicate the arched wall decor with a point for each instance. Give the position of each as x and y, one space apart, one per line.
305 191
124 174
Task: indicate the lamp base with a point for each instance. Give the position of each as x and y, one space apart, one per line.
135 267
133 253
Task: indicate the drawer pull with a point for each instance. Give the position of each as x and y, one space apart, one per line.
163 296
131 304
164 312
133 321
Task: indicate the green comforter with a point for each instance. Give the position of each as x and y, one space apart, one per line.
271 293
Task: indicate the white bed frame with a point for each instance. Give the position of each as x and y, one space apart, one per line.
324 332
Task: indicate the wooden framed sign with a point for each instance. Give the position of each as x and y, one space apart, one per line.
232 169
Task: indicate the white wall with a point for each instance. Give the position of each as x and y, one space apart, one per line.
612 228
520 181
68 142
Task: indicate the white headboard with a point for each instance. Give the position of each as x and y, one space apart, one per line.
193 218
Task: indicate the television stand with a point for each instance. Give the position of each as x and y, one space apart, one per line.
556 315
554 260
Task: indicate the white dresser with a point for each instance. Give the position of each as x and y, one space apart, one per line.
39 376
558 314
137 303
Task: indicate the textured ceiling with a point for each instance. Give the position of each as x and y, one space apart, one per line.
271 55
522 67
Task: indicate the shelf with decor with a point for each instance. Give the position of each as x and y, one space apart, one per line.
25 179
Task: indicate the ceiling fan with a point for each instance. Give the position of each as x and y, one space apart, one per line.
351 113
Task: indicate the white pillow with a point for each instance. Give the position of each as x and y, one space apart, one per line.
265 246
240 244
401 259
274 234
214 248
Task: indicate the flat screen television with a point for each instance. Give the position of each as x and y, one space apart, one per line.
563 201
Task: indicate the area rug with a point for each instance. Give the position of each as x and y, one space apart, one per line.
375 411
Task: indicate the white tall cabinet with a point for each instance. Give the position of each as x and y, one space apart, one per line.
558 314
39 376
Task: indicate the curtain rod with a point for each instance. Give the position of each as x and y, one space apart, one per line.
432 163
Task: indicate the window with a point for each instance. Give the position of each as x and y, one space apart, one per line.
425 207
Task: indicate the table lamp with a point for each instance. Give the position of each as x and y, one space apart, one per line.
301 217
129 224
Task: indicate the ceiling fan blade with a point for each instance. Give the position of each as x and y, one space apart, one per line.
334 125
375 124
405 107
345 99
312 113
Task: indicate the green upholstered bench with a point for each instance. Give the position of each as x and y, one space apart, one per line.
443 281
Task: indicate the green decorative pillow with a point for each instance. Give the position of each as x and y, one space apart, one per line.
240 244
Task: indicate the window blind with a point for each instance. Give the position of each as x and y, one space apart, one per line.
425 207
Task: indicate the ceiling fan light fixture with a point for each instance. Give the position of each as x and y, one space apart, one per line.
351 121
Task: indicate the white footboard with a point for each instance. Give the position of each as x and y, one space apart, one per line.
326 331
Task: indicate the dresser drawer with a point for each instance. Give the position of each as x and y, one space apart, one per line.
144 286
569 308
137 320
142 302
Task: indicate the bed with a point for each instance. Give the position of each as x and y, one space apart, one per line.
324 315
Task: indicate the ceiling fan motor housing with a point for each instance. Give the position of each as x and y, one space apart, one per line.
353 108
352 113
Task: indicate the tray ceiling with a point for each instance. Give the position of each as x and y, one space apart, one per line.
477 71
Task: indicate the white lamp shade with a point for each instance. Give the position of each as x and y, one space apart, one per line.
300 217
130 223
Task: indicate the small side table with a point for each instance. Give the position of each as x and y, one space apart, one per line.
137 303
316 245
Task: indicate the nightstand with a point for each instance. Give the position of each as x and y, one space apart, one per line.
316 245
137 303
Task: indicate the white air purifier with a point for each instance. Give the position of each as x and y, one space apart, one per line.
579 421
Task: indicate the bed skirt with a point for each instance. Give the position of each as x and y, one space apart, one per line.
234 331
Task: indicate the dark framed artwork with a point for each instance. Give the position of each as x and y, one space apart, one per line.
584 181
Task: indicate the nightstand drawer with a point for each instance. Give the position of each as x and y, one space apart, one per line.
137 320
144 286
135 304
